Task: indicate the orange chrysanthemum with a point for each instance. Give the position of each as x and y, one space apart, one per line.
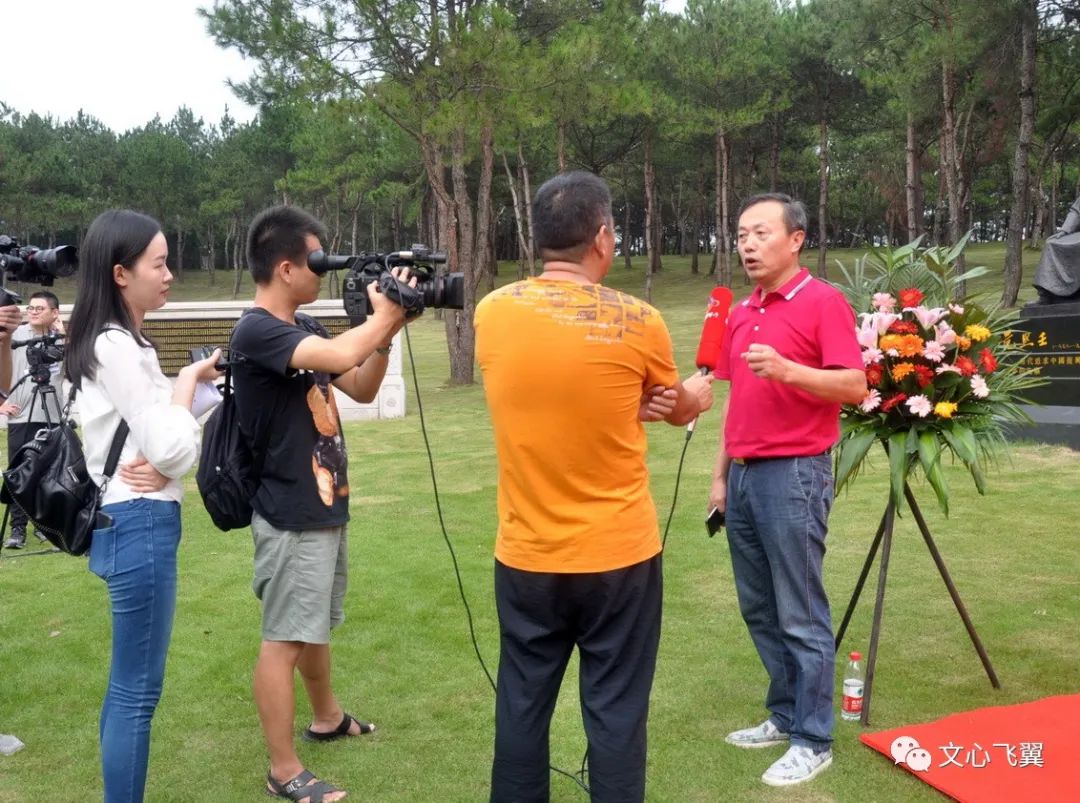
910 346
901 370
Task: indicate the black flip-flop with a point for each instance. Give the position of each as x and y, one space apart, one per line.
341 731
302 786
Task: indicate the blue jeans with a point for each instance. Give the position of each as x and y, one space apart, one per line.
777 517
136 557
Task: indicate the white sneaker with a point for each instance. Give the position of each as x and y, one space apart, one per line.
764 735
798 764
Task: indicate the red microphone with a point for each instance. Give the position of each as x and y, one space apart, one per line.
712 335
714 329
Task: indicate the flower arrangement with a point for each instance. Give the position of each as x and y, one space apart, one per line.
941 374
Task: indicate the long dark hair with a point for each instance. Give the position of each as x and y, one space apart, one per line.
116 237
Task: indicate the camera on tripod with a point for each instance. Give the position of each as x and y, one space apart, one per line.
41 354
28 263
436 290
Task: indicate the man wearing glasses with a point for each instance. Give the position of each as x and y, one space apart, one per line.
27 413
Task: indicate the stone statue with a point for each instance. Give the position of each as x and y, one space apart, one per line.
1058 276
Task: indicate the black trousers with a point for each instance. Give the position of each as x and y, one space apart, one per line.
614 620
17 435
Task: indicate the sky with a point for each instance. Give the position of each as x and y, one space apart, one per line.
122 61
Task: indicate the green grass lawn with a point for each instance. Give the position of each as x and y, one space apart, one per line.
403 657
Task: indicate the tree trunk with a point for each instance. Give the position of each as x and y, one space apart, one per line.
695 237
1014 267
445 211
210 245
483 249
823 192
774 154
1055 180
458 340
651 245
180 253
626 229
355 224
913 179
519 224
562 146
723 183
939 204
238 268
1040 213
952 161
527 201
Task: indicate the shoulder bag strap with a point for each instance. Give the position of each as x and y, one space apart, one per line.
115 449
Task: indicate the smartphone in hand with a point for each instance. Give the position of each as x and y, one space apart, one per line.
714 521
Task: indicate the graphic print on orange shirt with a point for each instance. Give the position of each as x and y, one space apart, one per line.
608 314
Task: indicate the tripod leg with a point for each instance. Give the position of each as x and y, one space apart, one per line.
862 581
939 561
879 604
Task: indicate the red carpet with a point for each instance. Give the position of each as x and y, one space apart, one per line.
1009 753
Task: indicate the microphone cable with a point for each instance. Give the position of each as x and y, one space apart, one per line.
678 479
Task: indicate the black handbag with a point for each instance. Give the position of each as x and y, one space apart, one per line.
47 479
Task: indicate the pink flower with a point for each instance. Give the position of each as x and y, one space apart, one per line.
978 387
878 321
933 351
867 337
884 302
871 402
947 369
926 317
956 309
871 356
945 335
920 406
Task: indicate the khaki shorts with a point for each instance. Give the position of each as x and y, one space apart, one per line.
300 577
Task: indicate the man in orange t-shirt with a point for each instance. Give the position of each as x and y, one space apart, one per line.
571 368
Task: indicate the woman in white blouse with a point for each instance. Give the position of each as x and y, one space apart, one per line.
115 370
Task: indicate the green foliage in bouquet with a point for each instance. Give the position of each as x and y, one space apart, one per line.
943 377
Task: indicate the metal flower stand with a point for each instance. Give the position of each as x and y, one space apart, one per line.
884 540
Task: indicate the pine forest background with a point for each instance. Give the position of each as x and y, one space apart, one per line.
434 121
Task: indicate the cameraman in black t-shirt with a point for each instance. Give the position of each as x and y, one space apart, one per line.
285 405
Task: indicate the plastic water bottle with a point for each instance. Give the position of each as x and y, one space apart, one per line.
851 706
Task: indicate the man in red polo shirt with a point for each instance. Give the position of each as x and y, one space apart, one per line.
792 358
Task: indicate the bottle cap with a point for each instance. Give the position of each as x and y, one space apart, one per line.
856 656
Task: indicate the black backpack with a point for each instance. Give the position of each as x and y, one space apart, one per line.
228 476
47 479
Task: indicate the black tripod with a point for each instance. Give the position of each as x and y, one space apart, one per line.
42 352
884 539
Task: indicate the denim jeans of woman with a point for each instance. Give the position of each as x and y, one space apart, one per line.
136 557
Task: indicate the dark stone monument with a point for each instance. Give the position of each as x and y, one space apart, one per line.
1049 331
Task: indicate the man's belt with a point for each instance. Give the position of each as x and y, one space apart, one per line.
747 461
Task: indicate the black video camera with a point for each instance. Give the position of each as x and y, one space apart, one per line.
41 353
437 290
28 263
